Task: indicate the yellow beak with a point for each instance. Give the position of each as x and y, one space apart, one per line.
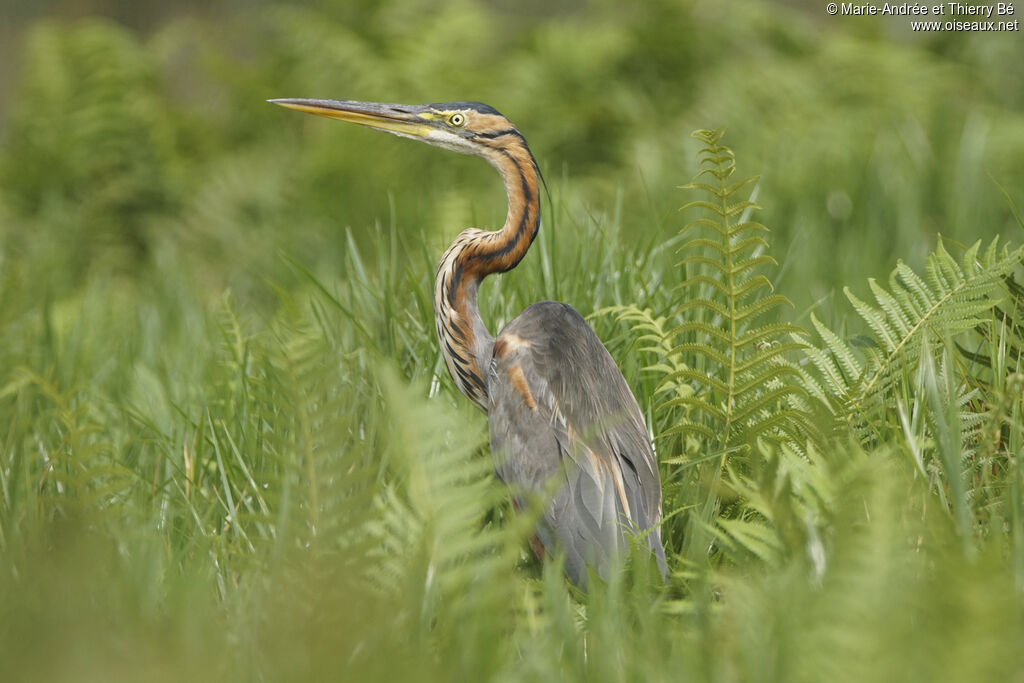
401 119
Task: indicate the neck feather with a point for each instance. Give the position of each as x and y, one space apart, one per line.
465 341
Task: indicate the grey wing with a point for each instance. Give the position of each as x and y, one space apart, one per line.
564 425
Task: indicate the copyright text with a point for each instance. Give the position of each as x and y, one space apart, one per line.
946 16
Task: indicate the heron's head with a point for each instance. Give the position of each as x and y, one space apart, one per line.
466 127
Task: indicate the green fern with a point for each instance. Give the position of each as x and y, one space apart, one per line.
743 389
999 345
913 379
652 339
728 388
993 359
725 377
429 522
952 299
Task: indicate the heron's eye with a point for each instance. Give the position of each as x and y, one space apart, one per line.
457 120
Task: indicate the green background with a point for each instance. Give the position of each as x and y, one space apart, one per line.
228 446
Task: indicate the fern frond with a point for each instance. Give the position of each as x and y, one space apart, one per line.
726 380
953 299
735 367
429 522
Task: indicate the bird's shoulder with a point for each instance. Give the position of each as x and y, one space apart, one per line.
559 352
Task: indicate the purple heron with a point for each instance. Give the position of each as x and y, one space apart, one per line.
561 415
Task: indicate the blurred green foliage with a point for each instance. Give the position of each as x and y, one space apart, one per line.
228 446
869 146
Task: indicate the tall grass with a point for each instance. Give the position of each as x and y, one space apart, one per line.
190 490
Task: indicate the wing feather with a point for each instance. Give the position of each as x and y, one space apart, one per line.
565 425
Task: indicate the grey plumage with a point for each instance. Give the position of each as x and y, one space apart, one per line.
583 437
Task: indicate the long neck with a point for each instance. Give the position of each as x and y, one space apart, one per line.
465 341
